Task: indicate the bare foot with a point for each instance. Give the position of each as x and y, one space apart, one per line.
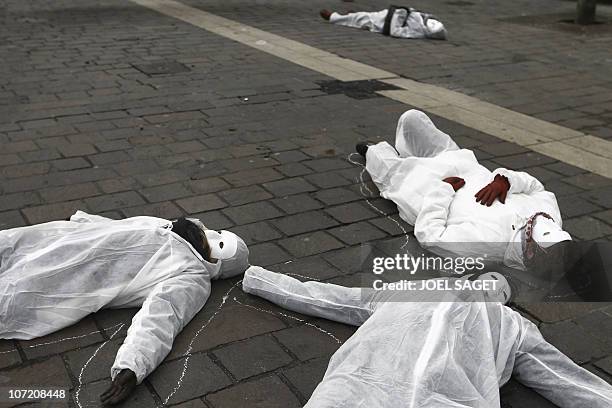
325 14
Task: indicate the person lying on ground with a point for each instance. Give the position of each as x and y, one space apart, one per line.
54 274
411 351
459 207
399 22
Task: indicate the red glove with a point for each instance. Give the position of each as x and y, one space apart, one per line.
456 182
498 188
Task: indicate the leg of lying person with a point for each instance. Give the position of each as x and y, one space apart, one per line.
539 365
372 21
417 136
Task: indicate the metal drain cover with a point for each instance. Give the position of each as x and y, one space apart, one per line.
161 67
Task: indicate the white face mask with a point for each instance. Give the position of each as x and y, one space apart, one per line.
223 244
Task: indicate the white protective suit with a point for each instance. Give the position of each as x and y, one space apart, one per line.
56 273
444 219
428 354
403 24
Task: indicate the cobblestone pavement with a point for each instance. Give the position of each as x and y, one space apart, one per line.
249 142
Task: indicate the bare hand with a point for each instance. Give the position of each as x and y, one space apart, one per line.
122 386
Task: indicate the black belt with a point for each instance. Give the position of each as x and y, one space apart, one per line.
390 11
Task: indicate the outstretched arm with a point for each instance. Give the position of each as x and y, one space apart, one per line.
171 305
345 305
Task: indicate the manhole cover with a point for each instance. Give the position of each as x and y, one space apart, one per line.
161 67
355 89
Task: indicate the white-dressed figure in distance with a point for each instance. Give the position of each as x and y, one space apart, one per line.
54 274
459 207
399 22
420 354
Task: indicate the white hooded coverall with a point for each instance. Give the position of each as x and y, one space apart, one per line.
403 24
421 354
445 220
54 274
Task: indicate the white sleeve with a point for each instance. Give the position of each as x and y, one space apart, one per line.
170 306
431 226
81 216
338 303
520 182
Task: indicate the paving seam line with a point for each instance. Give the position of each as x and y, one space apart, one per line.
567 145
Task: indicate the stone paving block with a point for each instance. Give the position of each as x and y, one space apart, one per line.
202 376
573 206
245 195
165 193
194 403
24 170
267 254
207 185
294 169
554 312
306 342
325 165
602 197
327 180
256 232
165 209
215 220
253 212
110 320
290 156
89 395
40 155
201 203
347 260
561 188
605 216
80 334
520 161
134 167
91 369
118 184
515 394
17 200
70 192
249 177
232 323
588 181
605 365
350 213
9 355
599 325
50 373
52 212
310 244
587 228
503 149
390 225
306 376
252 356
267 392
357 233
304 222
71 164
564 168
79 149
290 186
9 159
11 219
337 195
573 341
114 201
310 268
297 203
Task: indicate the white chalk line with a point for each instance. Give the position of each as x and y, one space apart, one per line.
364 187
188 354
78 390
65 339
291 317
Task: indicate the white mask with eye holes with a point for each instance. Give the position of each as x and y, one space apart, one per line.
223 244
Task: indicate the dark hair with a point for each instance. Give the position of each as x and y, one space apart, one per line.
191 233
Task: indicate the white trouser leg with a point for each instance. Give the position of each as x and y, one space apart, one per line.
380 159
372 21
539 365
338 303
417 136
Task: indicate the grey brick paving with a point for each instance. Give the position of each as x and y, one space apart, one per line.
82 128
